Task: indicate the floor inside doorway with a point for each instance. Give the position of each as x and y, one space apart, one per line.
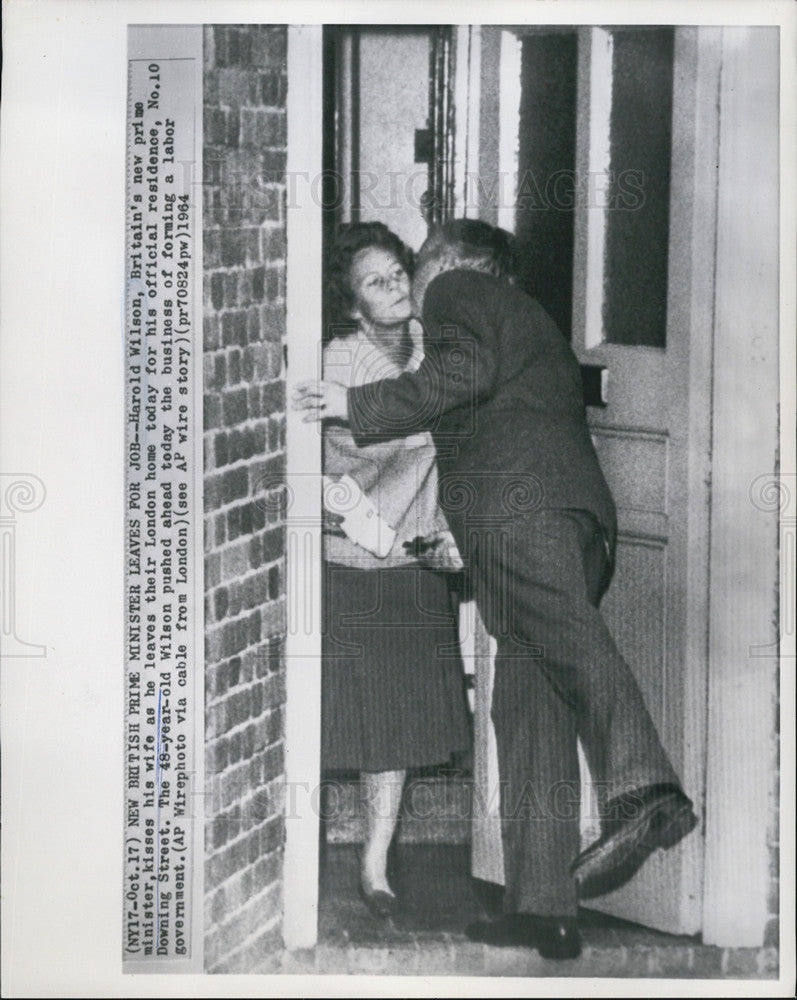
440 898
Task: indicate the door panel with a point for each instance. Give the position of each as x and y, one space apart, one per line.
652 438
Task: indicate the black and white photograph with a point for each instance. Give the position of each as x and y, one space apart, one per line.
399 498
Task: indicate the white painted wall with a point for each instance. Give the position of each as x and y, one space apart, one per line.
394 102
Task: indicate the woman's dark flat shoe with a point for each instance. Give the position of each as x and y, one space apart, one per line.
381 904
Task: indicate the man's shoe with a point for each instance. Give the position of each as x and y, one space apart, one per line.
637 824
553 937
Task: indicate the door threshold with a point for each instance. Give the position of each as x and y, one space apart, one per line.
452 955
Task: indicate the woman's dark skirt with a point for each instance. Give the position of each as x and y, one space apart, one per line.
392 683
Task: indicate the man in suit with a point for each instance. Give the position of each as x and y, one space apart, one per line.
500 390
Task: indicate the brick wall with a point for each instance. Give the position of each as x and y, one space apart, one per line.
244 439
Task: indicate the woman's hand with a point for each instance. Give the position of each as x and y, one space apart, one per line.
322 400
438 551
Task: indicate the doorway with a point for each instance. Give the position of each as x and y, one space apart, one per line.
387 153
667 491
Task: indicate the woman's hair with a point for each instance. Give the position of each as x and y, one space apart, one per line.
476 244
349 240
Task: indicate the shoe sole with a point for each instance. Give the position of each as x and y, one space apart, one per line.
612 864
520 940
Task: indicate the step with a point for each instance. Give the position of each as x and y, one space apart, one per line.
451 955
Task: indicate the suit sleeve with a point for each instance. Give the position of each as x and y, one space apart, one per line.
459 368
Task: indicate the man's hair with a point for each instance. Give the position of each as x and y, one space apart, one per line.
349 240
478 245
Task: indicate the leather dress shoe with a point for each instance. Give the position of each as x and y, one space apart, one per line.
637 824
381 904
553 937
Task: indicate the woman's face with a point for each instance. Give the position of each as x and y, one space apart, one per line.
381 288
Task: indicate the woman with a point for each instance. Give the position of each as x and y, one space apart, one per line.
392 692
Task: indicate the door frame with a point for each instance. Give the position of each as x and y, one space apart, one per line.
303 489
743 649
741 691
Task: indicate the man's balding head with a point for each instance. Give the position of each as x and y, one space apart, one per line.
463 243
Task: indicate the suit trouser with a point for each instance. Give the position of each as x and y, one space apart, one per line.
558 675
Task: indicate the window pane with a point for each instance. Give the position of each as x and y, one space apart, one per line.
638 203
546 172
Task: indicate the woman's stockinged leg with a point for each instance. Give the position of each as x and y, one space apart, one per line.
382 803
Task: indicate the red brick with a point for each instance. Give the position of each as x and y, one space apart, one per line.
276 653
249 661
212 493
214 123
237 86
274 398
216 755
220 449
233 46
230 787
236 637
212 569
273 89
211 248
211 411
260 127
234 560
211 333
235 484
271 835
231 859
234 445
268 476
273 322
231 282
273 544
254 628
258 361
261 437
261 954
255 401
244 68
271 761
232 131
274 583
221 831
273 726
221 602
266 802
253 326
249 448
275 244
269 48
217 290
260 204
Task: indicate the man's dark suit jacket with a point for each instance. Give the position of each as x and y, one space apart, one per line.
500 390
